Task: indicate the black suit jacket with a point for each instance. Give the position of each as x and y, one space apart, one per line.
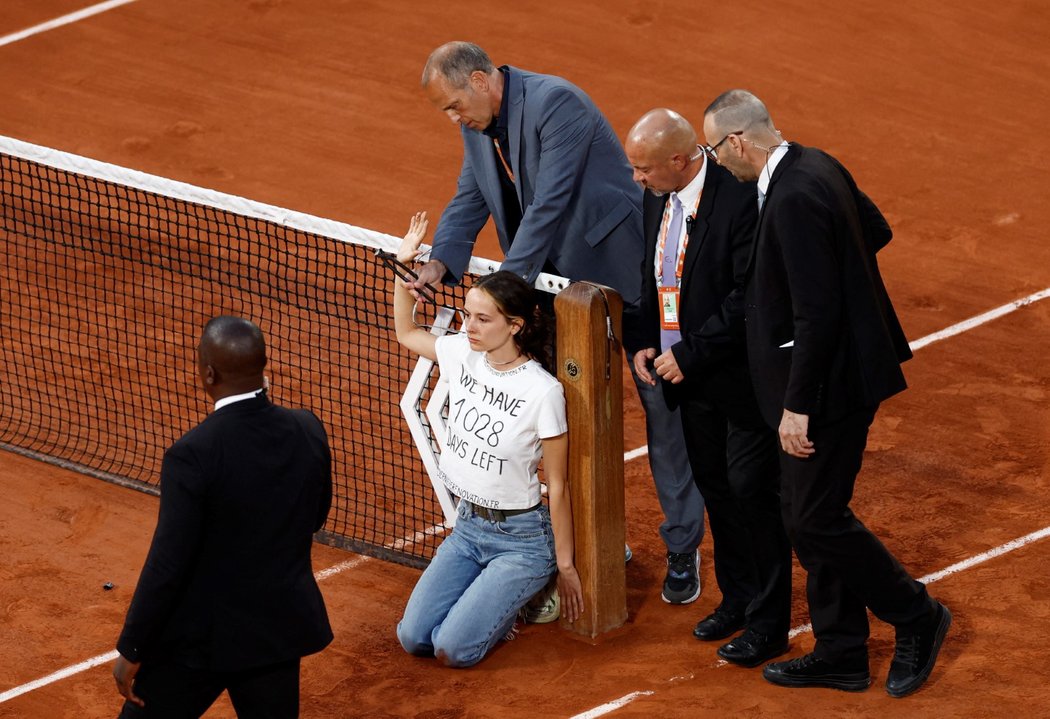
227 583
713 270
813 281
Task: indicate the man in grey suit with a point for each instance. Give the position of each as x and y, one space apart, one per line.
545 164
543 161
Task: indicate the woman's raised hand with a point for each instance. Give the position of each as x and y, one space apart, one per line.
417 230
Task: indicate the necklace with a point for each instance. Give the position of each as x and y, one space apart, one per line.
490 363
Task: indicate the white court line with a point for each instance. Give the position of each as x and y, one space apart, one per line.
969 324
320 576
111 656
60 674
805 628
918 344
623 701
612 706
63 20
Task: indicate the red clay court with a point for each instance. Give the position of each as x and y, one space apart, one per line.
937 110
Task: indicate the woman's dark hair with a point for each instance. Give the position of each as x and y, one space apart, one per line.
515 298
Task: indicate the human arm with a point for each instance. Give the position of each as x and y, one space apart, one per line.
667 367
459 225
555 469
411 336
564 131
124 672
172 553
805 231
793 431
324 505
877 231
641 360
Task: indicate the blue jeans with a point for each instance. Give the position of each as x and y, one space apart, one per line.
480 576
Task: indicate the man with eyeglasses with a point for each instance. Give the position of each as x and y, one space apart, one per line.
699 225
825 348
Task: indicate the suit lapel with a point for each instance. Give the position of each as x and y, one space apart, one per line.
483 163
515 85
782 167
698 232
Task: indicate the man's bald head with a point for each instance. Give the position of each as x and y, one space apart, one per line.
664 131
231 356
662 149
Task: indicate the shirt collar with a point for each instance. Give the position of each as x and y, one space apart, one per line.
771 165
500 122
691 192
219 404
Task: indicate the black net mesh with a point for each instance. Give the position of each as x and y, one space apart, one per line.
104 290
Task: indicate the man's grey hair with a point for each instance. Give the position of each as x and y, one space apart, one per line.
738 110
455 62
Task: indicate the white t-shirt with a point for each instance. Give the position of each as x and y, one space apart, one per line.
495 423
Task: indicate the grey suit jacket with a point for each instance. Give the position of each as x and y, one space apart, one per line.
580 208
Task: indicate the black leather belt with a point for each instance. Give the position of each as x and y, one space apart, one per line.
497 515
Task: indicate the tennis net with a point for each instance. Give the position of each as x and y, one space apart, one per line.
110 275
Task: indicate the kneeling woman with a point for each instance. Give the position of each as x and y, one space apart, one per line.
505 413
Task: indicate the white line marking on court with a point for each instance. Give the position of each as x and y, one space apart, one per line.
985 556
628 456
63 20
320 576
60 674
969 324
958 567
944 334
611 706
340 568
806 628
635 453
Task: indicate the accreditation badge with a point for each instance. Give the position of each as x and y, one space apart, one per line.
668 308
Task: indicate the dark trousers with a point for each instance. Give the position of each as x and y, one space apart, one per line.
173 691
733 453
848 569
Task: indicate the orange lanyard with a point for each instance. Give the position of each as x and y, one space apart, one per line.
662 239
499 151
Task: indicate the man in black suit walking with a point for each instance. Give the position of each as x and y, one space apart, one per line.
825 348
699 226
227 598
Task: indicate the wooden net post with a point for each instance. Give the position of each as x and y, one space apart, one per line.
589 366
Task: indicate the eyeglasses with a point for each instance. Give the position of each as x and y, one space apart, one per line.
712 150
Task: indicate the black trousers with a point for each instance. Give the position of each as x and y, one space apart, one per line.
173 691
848 569
733 454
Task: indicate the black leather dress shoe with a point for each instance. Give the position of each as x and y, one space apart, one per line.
719 625
811 671
916 653
751 649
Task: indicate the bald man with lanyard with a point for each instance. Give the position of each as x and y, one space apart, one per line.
699 224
